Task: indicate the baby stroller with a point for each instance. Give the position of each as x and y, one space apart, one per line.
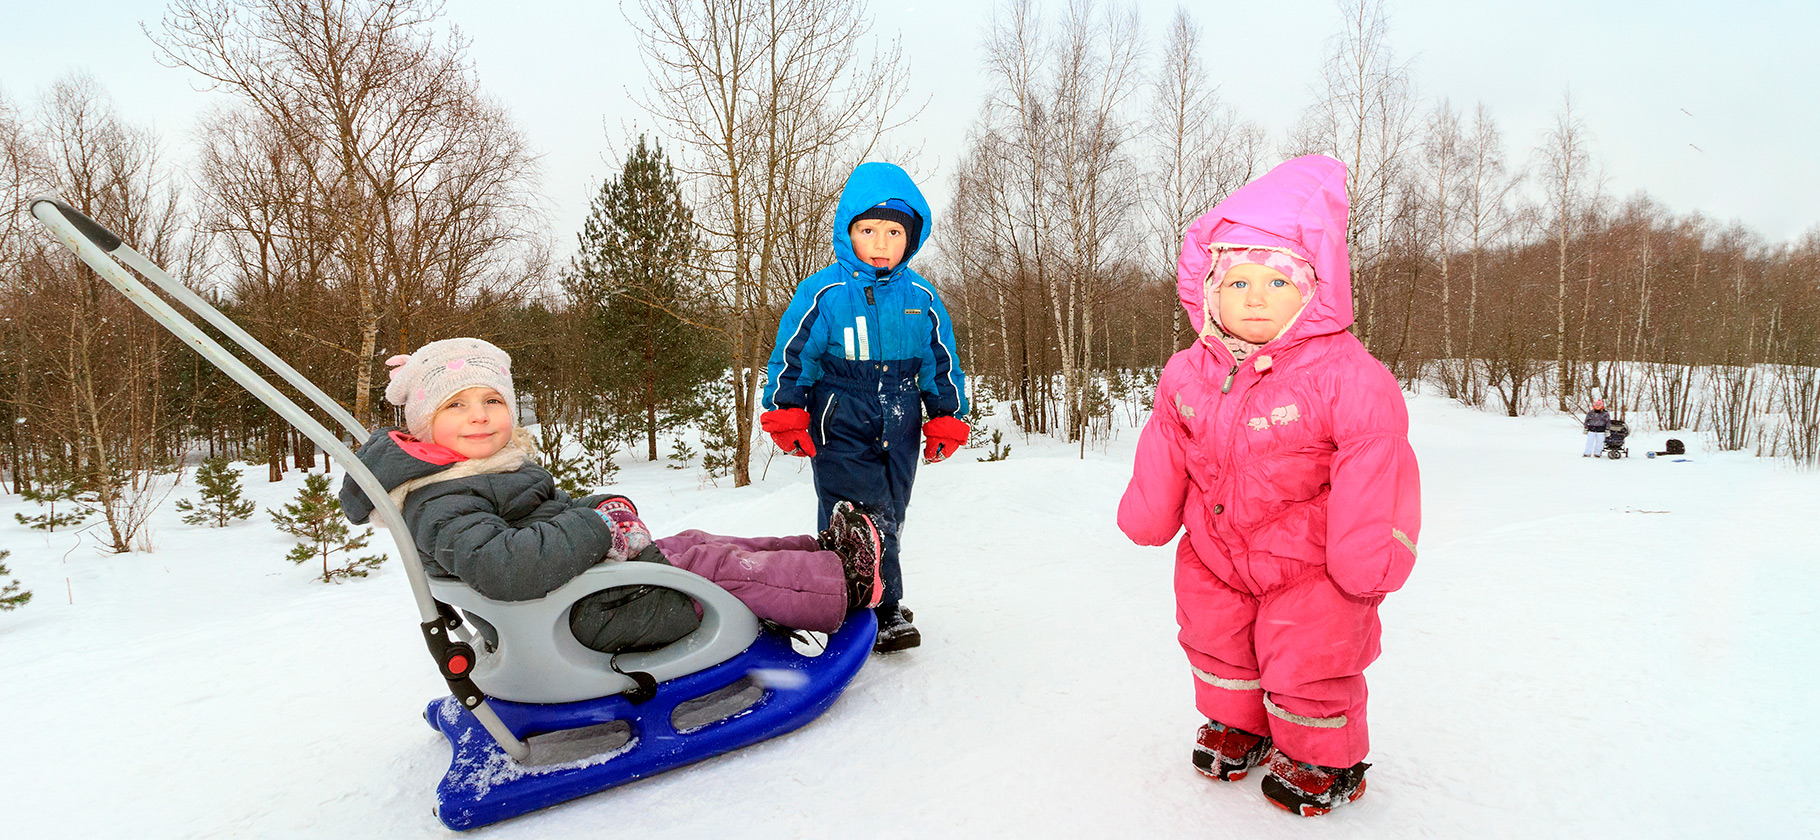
1614 440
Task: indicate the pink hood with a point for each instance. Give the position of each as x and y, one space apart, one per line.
1299 458
1299 207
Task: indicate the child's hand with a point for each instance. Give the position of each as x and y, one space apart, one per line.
943 436
630 536
789 428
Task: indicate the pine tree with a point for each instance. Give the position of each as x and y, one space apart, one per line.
221 502
60 483
636 276
315 517
11 596
719 438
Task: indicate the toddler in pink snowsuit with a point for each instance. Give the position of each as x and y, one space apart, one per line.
1282 446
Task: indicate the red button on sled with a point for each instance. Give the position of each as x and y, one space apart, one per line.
458 664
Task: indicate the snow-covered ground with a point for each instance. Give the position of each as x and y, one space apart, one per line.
1586 649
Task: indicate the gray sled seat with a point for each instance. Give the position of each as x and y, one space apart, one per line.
538 660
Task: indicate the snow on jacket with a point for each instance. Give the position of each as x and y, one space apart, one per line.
1597 420
1299 457
501 526
849 311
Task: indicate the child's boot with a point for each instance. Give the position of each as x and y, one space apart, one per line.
852 535
1311 789
895 632
1225 753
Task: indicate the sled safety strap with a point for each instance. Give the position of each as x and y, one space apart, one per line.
790 633
455 658
647 684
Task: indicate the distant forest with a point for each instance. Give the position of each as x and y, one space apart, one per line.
358 194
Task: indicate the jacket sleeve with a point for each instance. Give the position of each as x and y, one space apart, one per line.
1374 511
1150 513
943 384
795 361
461 534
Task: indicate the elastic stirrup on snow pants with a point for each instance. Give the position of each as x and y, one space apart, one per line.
866 421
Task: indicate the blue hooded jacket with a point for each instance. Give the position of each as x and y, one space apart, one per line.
849 312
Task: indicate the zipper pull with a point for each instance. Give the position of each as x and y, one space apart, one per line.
869 300
1226 388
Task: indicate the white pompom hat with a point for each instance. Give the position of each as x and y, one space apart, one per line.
424 380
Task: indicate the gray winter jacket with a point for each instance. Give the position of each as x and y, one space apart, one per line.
1597 420
501 526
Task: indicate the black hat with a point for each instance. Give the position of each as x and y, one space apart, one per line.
896 210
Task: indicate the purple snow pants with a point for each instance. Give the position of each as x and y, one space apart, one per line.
789 580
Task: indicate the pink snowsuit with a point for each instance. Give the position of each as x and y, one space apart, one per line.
1293 474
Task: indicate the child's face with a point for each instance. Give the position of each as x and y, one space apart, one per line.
474 422
1257 301
878 243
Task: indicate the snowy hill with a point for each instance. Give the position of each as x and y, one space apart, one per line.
1587 648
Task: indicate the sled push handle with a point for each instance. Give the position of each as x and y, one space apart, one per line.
98 247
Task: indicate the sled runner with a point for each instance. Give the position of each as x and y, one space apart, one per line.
563 720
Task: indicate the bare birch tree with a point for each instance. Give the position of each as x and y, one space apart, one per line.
1563 160
1485 215
1362 115
1200 152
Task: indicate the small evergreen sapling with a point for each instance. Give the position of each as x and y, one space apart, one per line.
59 484
976 431
11 596
221 502
681 453
999 451
315 517
719 442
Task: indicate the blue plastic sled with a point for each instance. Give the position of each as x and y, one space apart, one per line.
484 785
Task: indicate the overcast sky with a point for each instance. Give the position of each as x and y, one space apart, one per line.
1708 106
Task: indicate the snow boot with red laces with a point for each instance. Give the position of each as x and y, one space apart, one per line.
1226 753
1311 789
852 535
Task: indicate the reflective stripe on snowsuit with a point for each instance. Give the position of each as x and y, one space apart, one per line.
1301 681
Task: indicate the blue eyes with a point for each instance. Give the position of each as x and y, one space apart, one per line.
1279 283
1275 284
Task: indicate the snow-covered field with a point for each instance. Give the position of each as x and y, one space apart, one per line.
1586 649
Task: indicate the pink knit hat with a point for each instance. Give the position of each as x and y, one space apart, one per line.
424 380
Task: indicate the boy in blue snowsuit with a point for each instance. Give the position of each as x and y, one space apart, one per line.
865 349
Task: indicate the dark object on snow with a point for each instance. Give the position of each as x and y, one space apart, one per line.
895 632
1675 447
1615 434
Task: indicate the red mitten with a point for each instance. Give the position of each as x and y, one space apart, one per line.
789 428
942 436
